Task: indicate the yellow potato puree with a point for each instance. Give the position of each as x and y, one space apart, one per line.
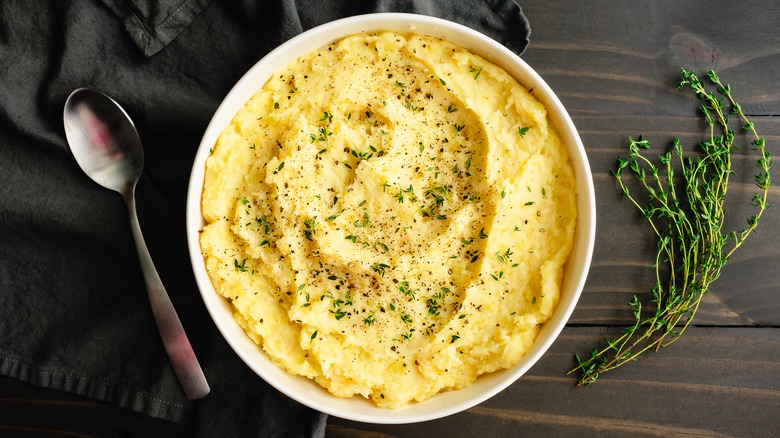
389 216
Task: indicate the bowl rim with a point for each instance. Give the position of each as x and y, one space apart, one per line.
442 404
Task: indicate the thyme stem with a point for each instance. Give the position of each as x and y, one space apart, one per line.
691 241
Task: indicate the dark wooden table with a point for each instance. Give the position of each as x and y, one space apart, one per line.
614 64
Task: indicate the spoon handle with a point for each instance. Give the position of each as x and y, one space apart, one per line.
178 347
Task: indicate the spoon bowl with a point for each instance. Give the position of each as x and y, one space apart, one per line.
105 143
107 146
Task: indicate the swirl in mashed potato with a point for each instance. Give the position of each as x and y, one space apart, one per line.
389 215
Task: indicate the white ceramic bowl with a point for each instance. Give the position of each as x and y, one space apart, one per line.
306 391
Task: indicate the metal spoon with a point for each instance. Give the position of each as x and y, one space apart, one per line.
106 145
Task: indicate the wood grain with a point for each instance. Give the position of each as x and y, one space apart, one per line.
625 246
714 382
610 58
614 64
28 411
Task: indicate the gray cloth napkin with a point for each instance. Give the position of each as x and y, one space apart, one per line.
74 314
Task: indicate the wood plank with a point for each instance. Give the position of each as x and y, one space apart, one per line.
746 292
605 58
27 410
615 66
615 69
713 382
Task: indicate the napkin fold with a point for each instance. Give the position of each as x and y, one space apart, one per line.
153 24
74 314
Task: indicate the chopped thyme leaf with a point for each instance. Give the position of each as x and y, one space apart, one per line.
457 171
264 223
363 223
326 117
241 267
310 228
324 132
322 135
333 217
442 82
477 72
382 246
370 319
409 192
363 155
430 211
504 257
406 290
523 130
380 268
433 305
439 193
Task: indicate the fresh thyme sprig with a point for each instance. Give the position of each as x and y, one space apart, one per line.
688 219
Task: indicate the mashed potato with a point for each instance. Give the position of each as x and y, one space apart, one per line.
389 216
